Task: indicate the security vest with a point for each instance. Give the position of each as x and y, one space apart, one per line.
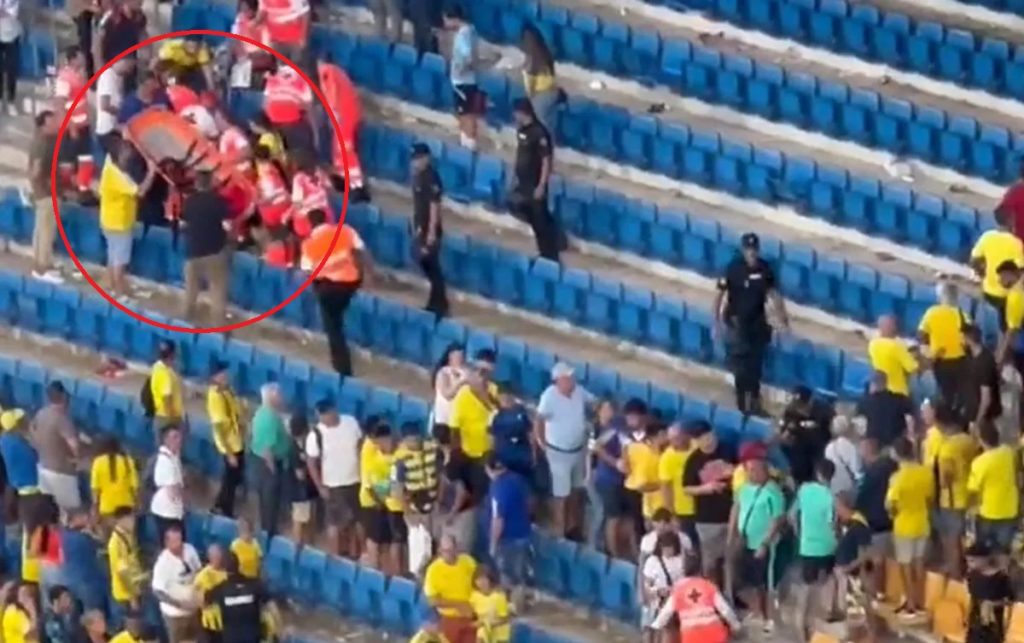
181 97
421 480
248 28
286 96
233 146
699 621
274 205
287 20
341 266
69 82
343 100
309 192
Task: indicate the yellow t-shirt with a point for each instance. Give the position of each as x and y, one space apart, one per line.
375 473
488 609
670 471
942 324
124 637
996 247
224 410
642 461
206 579
1015 308
175 51
993 480
119 199
911 490
471 418
450 582
123 553
31 571
16 625
114 491
273 143
892 357
165 382
933 439
955 455
250 557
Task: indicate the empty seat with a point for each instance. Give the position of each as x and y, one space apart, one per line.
367 594
278 565
398 606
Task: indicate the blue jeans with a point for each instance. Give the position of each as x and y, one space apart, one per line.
512 559
997 533
272 489
594 517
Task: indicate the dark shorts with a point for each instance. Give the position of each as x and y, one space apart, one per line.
468 100
377 525
399 528
815 569
613 500
754 570
341 504
999 303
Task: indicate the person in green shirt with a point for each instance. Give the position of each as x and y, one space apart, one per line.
814 518
757 517
271 445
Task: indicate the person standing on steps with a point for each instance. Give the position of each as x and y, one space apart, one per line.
225 412
469 100
739 310
426 224
44 233
529 198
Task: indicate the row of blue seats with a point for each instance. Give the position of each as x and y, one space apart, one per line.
934 223
381 325
1010 6
887 36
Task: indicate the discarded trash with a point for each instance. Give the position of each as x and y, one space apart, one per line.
900 170
657 108
596 85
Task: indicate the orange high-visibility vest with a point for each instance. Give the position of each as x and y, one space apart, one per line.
287 20
341 267
286 96
234 147
247 27
699 621
309 192
344 102
69 82
274 205
181 97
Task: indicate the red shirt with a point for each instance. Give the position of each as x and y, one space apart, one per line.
1013 204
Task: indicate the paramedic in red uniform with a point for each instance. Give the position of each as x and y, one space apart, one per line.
309 193
287 99
344 101
287 24
338 281
703 614
75 156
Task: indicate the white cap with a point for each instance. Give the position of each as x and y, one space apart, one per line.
561 369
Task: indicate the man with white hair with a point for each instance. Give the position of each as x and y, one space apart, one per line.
940 330
561 431
844 455
271 445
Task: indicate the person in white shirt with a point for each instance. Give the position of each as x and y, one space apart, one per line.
109 94
332 457
661 570
174 586
10 39
844 455
168 503
449 376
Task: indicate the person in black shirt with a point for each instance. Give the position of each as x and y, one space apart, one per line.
870 503
241 601
980 398
120 28
889 415
806 430
533 170
426 226
991 592
748 283
707 477
205 227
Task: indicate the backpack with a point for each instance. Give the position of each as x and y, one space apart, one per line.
149 479
146 398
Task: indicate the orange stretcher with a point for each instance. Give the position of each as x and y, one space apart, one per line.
179 151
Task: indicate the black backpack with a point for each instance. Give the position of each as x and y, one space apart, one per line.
146 398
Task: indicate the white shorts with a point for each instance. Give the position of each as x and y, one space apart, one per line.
63 487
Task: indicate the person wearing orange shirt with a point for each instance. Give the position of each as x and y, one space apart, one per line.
309 192
273 200
287 25
287 102
75 157
338 280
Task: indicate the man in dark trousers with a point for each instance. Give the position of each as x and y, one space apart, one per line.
205 225
241 601
426 226
533 170
740 308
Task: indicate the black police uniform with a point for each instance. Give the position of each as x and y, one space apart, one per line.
749 332
534 146
427 191
241 602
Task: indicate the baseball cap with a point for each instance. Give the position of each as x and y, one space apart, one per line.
10 419
750 240
753 451
419 149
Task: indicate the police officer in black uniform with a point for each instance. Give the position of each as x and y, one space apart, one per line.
748 282
241 601
529 199
426 226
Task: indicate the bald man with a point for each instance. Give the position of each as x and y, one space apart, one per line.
890 355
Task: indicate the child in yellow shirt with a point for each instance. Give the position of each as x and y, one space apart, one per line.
642 460
248 550
491 609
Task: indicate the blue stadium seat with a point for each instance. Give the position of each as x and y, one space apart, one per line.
399 606
368 594
619 591
307 583
555 559
279 565
588 571
337 585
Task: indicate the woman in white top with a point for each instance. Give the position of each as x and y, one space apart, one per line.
449 376
842 451
660 572
10 39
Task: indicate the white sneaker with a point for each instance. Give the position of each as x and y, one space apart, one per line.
49 276
768 628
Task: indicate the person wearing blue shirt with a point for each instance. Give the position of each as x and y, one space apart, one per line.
510 527
511 428
82 572
613 434
20 457
469 101
148 94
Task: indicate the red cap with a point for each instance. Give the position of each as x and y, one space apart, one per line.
753 451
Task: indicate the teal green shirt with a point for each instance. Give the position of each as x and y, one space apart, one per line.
758 507
270 434
816 518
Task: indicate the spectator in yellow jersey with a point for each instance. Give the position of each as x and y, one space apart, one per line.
166 387
951 465
188 62
20 618
134 631
448 586
210 576
888 354
119 206
1011 343
991 484
430 630
490 608
126 575
113 479
226 411
993 248
642 459
378 506
671 465
247 549
471 412
909 501
940 330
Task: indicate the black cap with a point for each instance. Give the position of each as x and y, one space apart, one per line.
750 241
419 149
523 106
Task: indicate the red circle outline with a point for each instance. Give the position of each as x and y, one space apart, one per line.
56 206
